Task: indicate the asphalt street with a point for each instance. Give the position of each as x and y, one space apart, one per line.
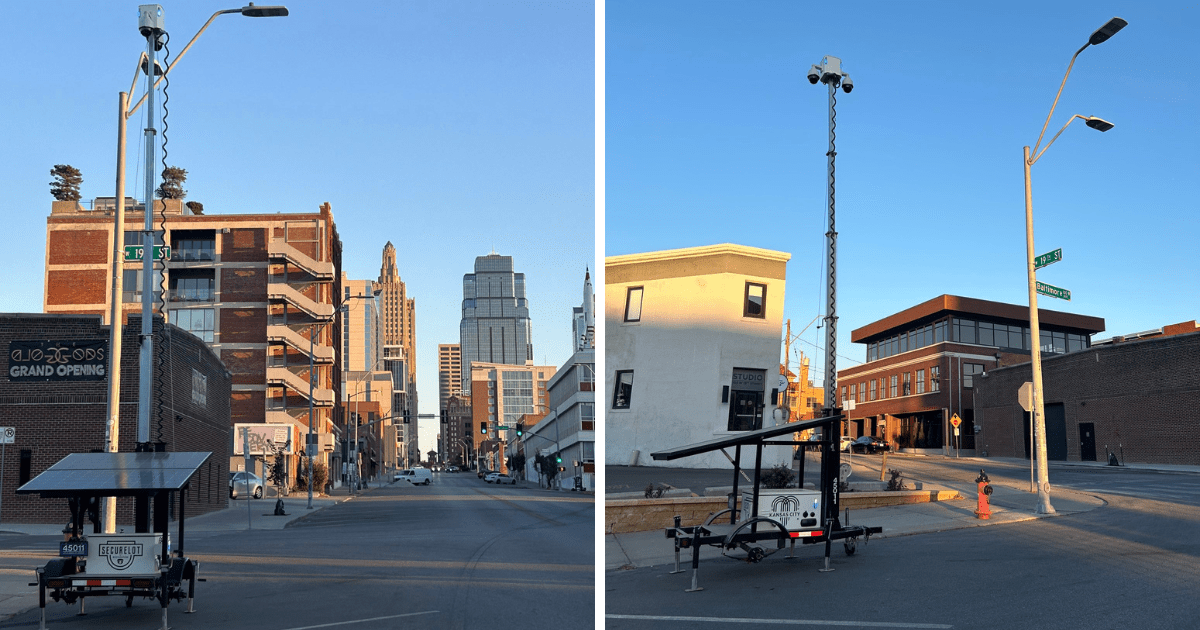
1131 563
456 554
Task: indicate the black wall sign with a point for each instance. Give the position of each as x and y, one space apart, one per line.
76 360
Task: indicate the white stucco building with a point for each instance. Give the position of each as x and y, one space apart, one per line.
692 340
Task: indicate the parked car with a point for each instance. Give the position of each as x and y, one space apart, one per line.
452 469
845 443
869 444
499 478
415 476
490 477
244 483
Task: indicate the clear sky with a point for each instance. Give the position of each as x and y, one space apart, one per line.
448 128
714 135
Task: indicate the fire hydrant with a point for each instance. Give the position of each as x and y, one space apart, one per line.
984 509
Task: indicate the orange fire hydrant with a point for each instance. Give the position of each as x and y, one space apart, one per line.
984 509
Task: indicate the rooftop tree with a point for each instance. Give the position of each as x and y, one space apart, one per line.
65 186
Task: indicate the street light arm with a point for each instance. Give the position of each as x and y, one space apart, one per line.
179 56
1035 158
1055 104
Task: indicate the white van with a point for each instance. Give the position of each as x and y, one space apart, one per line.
415 476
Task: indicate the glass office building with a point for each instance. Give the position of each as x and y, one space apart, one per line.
495 325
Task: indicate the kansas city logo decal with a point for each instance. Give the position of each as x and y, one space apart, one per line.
120 554
785 503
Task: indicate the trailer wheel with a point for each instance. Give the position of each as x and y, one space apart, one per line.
850 546
756 554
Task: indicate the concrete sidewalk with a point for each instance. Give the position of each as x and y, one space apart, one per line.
1009 505
17 596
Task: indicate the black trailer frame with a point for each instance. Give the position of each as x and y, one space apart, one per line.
149 477
735 536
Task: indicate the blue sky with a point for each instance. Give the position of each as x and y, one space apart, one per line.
448 128
714 135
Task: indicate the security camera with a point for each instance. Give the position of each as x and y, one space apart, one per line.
847 84
814 74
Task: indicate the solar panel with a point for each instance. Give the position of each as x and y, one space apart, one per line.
741 438
115 474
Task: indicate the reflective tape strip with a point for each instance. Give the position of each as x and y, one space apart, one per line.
812 534
100 582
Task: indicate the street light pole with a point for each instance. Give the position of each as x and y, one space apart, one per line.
1030 157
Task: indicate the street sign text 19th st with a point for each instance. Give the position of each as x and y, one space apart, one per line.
1047 259
134 252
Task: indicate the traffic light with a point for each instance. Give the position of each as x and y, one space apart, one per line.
558 459
520 429
483 427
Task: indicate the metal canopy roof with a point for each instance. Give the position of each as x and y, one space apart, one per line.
115 474
747 437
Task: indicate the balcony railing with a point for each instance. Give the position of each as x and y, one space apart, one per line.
191 295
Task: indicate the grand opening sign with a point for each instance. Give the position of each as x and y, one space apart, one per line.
75 360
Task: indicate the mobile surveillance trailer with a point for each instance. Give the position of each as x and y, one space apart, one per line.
141 564
775 517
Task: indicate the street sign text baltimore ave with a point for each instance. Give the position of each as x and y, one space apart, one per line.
1053 291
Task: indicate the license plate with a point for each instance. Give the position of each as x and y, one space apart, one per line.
71 549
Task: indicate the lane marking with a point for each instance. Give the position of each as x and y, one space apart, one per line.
783 622
346 623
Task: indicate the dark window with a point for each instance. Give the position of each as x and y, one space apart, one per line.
853 393
969 371
633 304
920 381
26 464
939 332
907 383
623 389
756 301
988 336
862 392
893 386
934 378
874 392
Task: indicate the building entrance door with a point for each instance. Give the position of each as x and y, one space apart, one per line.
745 410
1087 441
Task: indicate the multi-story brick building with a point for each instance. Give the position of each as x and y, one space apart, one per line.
449 384
259 289
457 433
1135 396
923 363
54 392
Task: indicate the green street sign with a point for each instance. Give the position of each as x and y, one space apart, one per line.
1047 259
134 252
502 428
1053 291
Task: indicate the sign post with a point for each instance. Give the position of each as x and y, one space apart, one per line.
955 421
8 435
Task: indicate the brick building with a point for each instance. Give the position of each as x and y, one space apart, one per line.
54 393
923 363
254 287
1136 398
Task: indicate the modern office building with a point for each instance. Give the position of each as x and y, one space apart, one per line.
500 395
923 363
568 430
691 353
259 289
495 326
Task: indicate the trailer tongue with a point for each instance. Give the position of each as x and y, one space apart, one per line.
776 517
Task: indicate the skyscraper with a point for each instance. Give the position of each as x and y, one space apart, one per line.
583 318
399 335
449 372
495 325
